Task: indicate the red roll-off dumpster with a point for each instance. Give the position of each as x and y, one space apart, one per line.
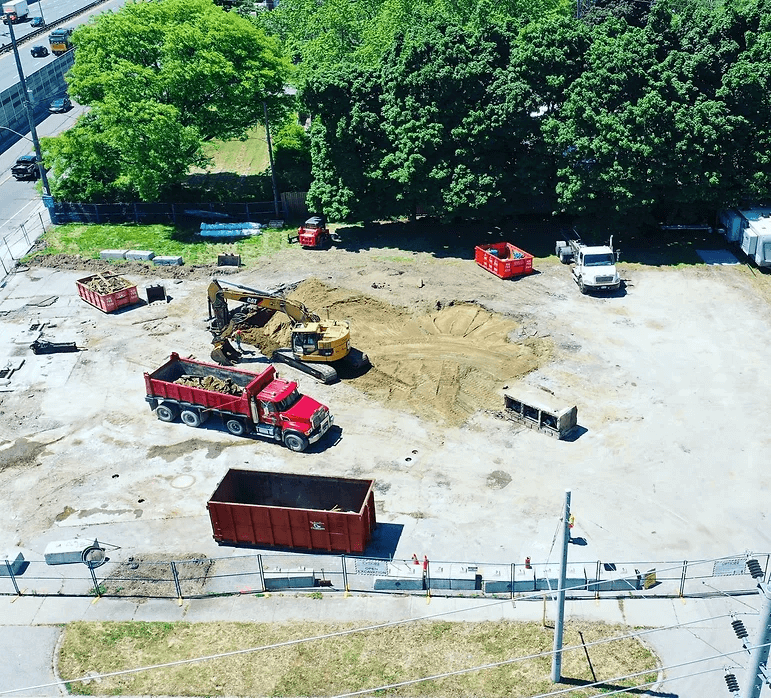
108 302
282 510
503 259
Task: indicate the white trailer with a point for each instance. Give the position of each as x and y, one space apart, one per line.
16 11
750 229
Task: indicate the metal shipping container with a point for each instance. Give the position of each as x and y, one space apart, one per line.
281 510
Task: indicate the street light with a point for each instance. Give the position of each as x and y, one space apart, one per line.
40 7
30 115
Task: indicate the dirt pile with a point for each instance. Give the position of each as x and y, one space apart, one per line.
217 385
444 364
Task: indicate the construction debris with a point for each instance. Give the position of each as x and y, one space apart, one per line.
217 385
107 284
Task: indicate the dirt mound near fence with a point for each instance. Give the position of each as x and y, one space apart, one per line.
443 364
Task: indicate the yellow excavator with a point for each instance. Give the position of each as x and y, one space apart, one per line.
315 344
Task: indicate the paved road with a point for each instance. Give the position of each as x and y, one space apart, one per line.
53 10
27 659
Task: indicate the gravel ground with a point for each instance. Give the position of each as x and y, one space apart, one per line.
669 375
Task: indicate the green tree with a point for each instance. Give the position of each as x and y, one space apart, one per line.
161 77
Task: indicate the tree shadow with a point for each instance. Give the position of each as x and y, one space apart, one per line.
458 239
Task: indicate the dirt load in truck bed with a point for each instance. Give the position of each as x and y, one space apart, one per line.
216 385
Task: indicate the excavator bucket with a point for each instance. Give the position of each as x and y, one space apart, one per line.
225 353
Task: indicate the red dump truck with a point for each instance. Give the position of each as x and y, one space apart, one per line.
261 404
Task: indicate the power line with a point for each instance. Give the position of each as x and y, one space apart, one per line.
287 643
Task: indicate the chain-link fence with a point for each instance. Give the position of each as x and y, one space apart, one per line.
169 213
197 577
17 241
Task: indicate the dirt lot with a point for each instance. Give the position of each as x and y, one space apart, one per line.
670 378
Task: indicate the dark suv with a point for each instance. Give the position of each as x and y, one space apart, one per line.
39 51
26 168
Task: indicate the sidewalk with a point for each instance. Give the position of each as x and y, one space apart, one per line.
31 631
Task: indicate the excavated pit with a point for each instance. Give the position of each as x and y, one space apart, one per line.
442 364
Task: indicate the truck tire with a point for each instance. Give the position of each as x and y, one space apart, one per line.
561 245
235 426
582 286
191 418
295 442
565 255
166 413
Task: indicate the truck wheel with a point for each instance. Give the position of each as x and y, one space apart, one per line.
561 245
565 255
191 418
582 286
166 413
235 427
295 442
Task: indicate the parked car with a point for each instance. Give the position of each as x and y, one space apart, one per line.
26 168
37 22
39 51
61 105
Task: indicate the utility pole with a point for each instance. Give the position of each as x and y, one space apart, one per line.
30 115
757 671
270 155
556 662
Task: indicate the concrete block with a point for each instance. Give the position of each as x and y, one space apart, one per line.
460 577
392 583
113 254
168 261
140 255
289 580
620 579
14 559
65 552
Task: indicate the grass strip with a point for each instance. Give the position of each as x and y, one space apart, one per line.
342 664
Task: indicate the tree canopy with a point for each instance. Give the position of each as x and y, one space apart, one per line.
161 78
636 115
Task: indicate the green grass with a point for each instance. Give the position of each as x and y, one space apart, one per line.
245 157
346 663
88 240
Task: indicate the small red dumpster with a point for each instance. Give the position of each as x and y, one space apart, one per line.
281 510
108 292
504 259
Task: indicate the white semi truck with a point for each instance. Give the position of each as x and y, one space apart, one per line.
594 267
15 11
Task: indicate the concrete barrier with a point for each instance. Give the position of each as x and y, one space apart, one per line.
113 254
14 559
140 255
168 261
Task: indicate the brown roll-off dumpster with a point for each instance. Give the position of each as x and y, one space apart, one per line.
281 510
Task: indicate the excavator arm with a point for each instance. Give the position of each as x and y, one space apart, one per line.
224 323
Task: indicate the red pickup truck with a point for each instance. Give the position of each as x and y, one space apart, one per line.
260 404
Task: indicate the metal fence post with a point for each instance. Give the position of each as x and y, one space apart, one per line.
24 231
5 240
136 214
683 577
12 576
43 225
345 573
261 571
96 213
597 579
176 579
512 580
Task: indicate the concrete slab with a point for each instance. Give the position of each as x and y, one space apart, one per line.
27 660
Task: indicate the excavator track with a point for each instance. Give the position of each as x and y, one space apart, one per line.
321 372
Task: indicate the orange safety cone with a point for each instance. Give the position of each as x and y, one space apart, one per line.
527 563
415 559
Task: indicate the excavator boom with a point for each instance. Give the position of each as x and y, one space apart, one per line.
315 344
